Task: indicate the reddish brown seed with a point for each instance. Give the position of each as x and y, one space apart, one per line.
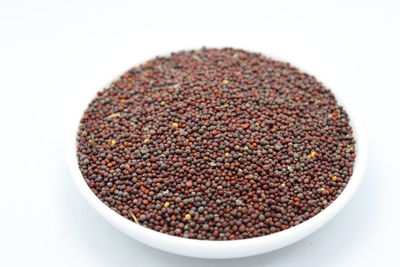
217 144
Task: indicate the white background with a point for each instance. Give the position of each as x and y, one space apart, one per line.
54 55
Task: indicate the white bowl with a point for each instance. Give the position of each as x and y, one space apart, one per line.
223 249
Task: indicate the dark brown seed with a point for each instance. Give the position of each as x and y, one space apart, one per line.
217 144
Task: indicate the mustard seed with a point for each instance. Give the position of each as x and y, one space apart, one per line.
216 144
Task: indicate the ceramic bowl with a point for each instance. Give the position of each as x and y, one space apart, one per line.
223 249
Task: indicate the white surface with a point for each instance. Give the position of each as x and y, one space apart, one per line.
222 249
51 53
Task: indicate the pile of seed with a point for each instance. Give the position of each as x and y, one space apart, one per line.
216 144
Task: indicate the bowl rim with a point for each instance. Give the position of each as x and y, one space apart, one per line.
225 248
